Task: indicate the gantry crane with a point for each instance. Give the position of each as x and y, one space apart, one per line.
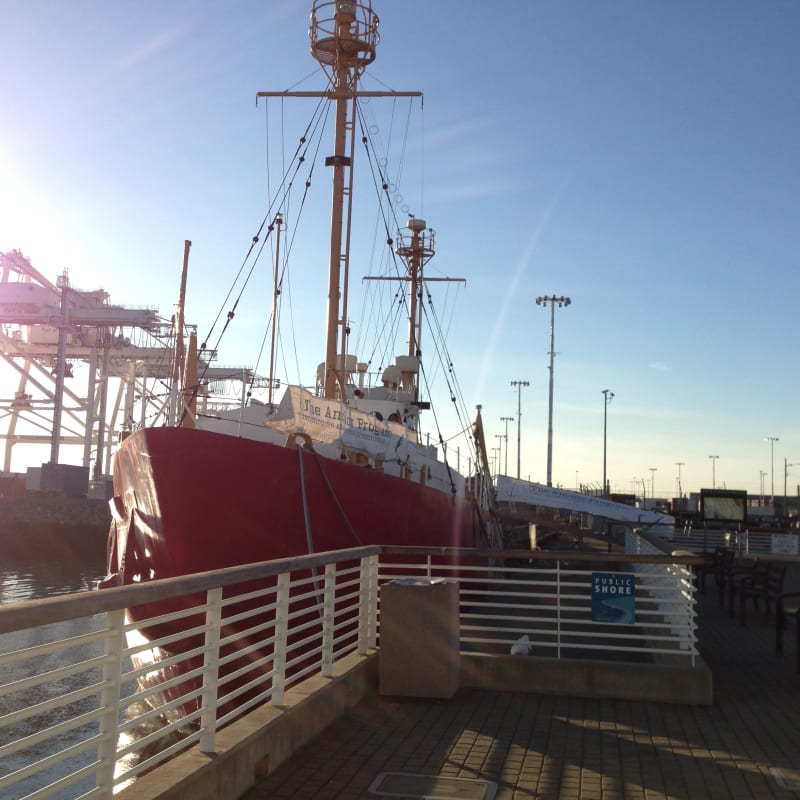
47 330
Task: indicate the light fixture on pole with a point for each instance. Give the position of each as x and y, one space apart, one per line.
679 464
786 466
772 440
519 385
608 396
552 301
713 471
506 420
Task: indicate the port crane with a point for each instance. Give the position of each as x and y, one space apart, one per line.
47 330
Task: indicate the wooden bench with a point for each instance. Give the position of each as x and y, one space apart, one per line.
787 606
765 582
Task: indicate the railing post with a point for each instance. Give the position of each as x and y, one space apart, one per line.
558 608
208 710
372 628
110 700
328 608
281 635
686 591
364 607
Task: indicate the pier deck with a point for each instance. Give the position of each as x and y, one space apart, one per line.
746 745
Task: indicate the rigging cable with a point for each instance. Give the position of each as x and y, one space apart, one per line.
455 394
286 184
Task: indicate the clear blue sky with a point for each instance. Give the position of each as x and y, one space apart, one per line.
640 157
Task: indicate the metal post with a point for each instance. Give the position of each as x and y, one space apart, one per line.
61 360
281 636
519 385
607 397
506 420
713 471
772 440
328 620
208 713
552 302
110 699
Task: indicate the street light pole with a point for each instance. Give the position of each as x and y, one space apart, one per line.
713 471
506 420
499 437
552 301
786 466
519 385
607 397
772 440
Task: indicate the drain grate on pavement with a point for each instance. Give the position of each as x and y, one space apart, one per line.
431 787
787 778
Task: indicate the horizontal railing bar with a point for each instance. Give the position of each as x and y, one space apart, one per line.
178 636
67 780
59 728
34 613
162 755
48 761
15 717
58 645
164 662
142 742
252 612
32 681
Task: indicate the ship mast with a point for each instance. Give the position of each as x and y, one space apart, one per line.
345 44
344 36
415 253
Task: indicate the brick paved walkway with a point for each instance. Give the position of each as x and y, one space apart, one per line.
554 748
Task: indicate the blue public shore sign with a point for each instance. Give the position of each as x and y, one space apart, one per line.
614 597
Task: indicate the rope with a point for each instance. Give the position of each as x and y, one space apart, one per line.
336 499
306 517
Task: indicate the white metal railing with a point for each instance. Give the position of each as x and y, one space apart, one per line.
743 541
542 605
81 714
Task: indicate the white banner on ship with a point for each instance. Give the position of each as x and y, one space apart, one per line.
333 422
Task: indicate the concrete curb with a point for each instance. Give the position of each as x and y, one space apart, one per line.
257 744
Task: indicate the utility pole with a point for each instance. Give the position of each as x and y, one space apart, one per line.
608 395
713 471
499 437
786 466
552 301
506 420
519 385
772 440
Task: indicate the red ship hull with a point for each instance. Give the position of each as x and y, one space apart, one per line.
208 501
189 501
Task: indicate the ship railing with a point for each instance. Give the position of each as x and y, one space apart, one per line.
84 708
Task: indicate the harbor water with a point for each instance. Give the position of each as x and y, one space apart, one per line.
38 562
